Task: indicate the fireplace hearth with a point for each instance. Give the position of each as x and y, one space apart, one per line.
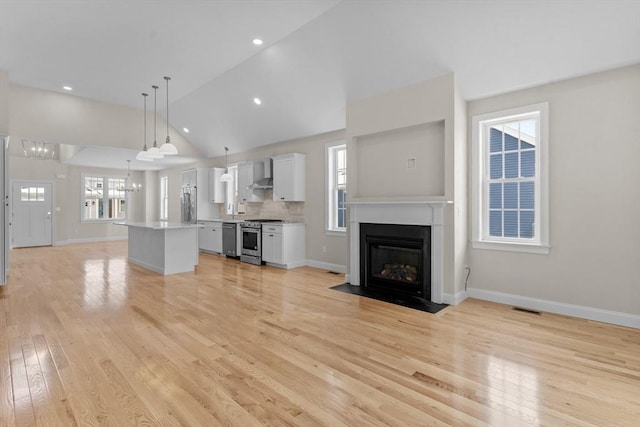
396 259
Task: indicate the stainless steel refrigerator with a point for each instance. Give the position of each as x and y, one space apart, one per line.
188 204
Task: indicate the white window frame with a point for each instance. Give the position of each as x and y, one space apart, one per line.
105 196
164 198
331 188
480 196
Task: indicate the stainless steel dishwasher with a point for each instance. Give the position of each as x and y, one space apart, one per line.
229 239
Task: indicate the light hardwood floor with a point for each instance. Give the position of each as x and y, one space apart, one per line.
88 339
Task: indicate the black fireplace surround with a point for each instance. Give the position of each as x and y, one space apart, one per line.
396 259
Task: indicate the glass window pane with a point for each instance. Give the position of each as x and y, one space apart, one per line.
24 194
495 196
495 223
495 166
526 224
511 195
525 145
527 195
528 163
40 194
511 141
511 165
495 139
510 223
528 129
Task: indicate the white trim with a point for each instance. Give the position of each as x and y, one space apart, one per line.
327 266
454 299
511 247
329 165
589 313
83 199
541 245
89 240
411 212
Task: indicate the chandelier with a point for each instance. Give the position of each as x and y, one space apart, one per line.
38 150
134 187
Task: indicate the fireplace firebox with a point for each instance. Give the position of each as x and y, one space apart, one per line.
396 258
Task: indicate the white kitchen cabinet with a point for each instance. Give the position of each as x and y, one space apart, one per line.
216 187
210 237
248 173
283 245
289 177
199 178
189 178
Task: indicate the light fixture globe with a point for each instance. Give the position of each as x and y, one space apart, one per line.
168 149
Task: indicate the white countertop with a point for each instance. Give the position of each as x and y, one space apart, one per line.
158 225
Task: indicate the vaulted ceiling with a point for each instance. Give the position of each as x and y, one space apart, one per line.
317 55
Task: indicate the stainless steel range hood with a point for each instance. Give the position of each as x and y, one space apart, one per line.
267 181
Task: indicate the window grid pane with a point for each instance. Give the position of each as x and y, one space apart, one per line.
337 173
99 204
511 177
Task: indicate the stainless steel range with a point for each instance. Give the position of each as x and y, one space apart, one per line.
251 231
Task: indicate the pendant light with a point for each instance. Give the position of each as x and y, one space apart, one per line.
144 154
226 176
168 149
154 152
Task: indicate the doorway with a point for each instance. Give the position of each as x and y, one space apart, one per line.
31 214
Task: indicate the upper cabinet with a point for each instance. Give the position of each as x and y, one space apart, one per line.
289 177
189 177
199 179
248 173
216 187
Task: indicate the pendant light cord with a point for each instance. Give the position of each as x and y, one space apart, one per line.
167 80
145 121
155 113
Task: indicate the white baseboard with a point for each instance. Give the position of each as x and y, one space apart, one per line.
589 313
454 299
89 240
327 266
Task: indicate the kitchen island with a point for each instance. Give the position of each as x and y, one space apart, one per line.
163 247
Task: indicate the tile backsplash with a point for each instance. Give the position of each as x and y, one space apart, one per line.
269 209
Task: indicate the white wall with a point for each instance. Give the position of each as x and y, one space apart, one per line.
66 180
431 105
329 251
594 205
67 119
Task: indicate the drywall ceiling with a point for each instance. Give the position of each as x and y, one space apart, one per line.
317 55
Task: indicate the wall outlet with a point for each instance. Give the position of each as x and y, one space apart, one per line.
411 163
324 249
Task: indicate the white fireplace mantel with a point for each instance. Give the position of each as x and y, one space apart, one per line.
409 212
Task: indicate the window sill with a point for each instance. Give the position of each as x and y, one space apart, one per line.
337 233
511 247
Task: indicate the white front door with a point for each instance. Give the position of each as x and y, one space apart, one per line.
31 214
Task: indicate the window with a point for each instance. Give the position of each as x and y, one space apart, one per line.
510 208
164 198
336 188
32 194
103 198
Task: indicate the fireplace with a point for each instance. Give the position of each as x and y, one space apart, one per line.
396 258
428 214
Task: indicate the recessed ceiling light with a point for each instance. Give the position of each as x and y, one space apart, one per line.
257 101
67 88
185 130
257 42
